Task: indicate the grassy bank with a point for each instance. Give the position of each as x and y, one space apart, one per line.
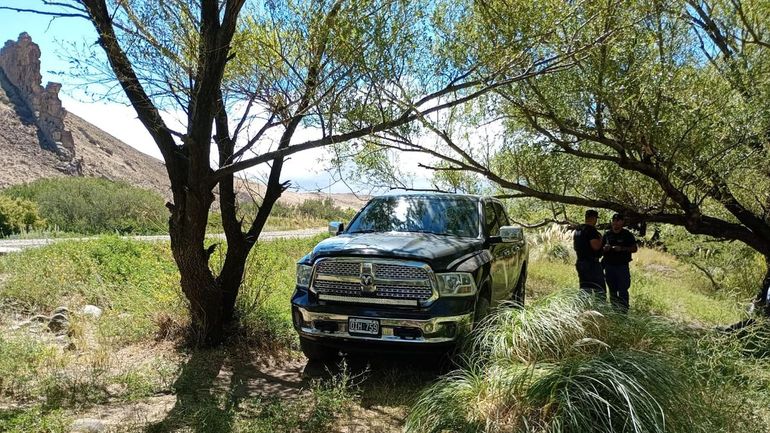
135 349
135 353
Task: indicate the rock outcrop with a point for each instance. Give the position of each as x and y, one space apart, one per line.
40 139
20 62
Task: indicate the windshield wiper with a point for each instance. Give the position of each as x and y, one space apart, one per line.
430 232
362 231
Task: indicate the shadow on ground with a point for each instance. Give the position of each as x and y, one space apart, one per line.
225 390
199 406
382 380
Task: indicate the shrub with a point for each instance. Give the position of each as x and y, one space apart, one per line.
553 243
732 268
93 206
20 361
566 365
18 215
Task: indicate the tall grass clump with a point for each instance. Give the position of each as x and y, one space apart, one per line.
95 206
553 243
567 365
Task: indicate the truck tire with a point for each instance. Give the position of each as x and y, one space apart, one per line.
315 351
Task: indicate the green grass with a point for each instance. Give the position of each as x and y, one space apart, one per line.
659 283
531 365
566 365
135 283
22 360
34 419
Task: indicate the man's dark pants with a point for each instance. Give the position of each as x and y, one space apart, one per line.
592 278
618 281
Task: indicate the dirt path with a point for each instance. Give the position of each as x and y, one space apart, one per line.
211 381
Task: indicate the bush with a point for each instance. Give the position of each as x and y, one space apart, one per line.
566 365
94 206
732 268
18 215
553 243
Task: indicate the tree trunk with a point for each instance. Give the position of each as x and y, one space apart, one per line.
761 302
187 229
231 277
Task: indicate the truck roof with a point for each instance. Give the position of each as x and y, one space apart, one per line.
483 198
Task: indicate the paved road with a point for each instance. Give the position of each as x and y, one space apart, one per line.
14 245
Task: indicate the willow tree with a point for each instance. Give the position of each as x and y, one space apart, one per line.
666 119
248 79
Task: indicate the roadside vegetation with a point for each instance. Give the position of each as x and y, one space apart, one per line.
311 213
91 206
559 365
18 215
80 206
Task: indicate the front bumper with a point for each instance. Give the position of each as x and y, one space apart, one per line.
436 330
442 323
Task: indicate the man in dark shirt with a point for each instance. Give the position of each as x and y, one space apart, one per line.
588 246
618 245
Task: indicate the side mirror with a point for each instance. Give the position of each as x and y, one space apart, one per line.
336 227
511 234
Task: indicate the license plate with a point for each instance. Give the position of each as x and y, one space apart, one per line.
358 326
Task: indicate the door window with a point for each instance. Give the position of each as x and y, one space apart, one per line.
502 218
491 220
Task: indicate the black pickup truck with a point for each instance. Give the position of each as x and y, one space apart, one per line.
412 271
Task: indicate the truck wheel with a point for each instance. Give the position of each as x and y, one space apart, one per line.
520 291
315 351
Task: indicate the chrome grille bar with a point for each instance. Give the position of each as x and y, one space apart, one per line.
388 281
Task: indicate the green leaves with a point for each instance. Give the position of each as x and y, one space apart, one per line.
18 215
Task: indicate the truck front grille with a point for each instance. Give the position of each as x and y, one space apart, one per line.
346 269
400 272
376 281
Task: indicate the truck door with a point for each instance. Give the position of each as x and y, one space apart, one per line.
513 253
498 271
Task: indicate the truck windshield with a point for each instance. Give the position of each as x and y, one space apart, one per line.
441 215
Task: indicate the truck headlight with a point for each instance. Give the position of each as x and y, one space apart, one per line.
304 272
456 284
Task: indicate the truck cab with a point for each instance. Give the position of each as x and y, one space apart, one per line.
410 272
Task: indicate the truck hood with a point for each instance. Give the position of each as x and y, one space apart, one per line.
436 250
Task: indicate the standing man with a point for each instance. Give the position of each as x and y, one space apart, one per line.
588 246
618 246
